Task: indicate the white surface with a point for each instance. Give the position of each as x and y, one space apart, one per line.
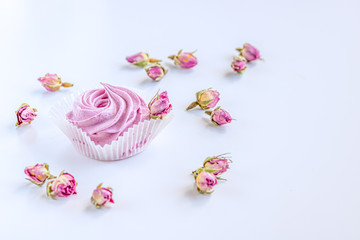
295 142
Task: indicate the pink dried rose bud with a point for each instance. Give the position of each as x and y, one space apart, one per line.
184 59
52 82
239 64
205 180
25 115
101 196
141 59
38 174
156 72
219 116
249 52
63 186
205 99
218 163
159 106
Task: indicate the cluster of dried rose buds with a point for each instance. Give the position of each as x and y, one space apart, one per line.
154 69
247 54
207 99
51 82
64 185
208 175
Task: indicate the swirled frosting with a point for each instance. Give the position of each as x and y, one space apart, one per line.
105 114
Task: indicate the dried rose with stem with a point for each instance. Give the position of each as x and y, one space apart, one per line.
38 173
52 82
25 115
219 116
141 59
101 196
63 186
184 59
205 99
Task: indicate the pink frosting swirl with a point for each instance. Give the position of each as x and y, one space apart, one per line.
105 114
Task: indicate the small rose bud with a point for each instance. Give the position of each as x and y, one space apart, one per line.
205 180
218 163
206 99
159 106
239 64
25 115
63 186
219 116
52 82
249 52
38 174
101 196
140 59
156 72
184 59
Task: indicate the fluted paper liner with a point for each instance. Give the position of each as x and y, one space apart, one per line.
132 142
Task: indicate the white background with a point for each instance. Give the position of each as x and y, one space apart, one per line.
295 141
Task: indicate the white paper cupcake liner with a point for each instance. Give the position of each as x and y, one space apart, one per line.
132 142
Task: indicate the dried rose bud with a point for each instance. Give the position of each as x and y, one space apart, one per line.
249 52
206 99
52 82
159 106
140 59
156 72
38 174
218 163
101 196
219 116
184 59
239 64
63 186
205 180
25 115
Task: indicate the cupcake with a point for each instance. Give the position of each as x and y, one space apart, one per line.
109 123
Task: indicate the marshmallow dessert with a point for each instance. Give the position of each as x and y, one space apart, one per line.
109 123
105 114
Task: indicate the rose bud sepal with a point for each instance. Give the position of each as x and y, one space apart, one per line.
38 173
101 196
219 116
25 115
